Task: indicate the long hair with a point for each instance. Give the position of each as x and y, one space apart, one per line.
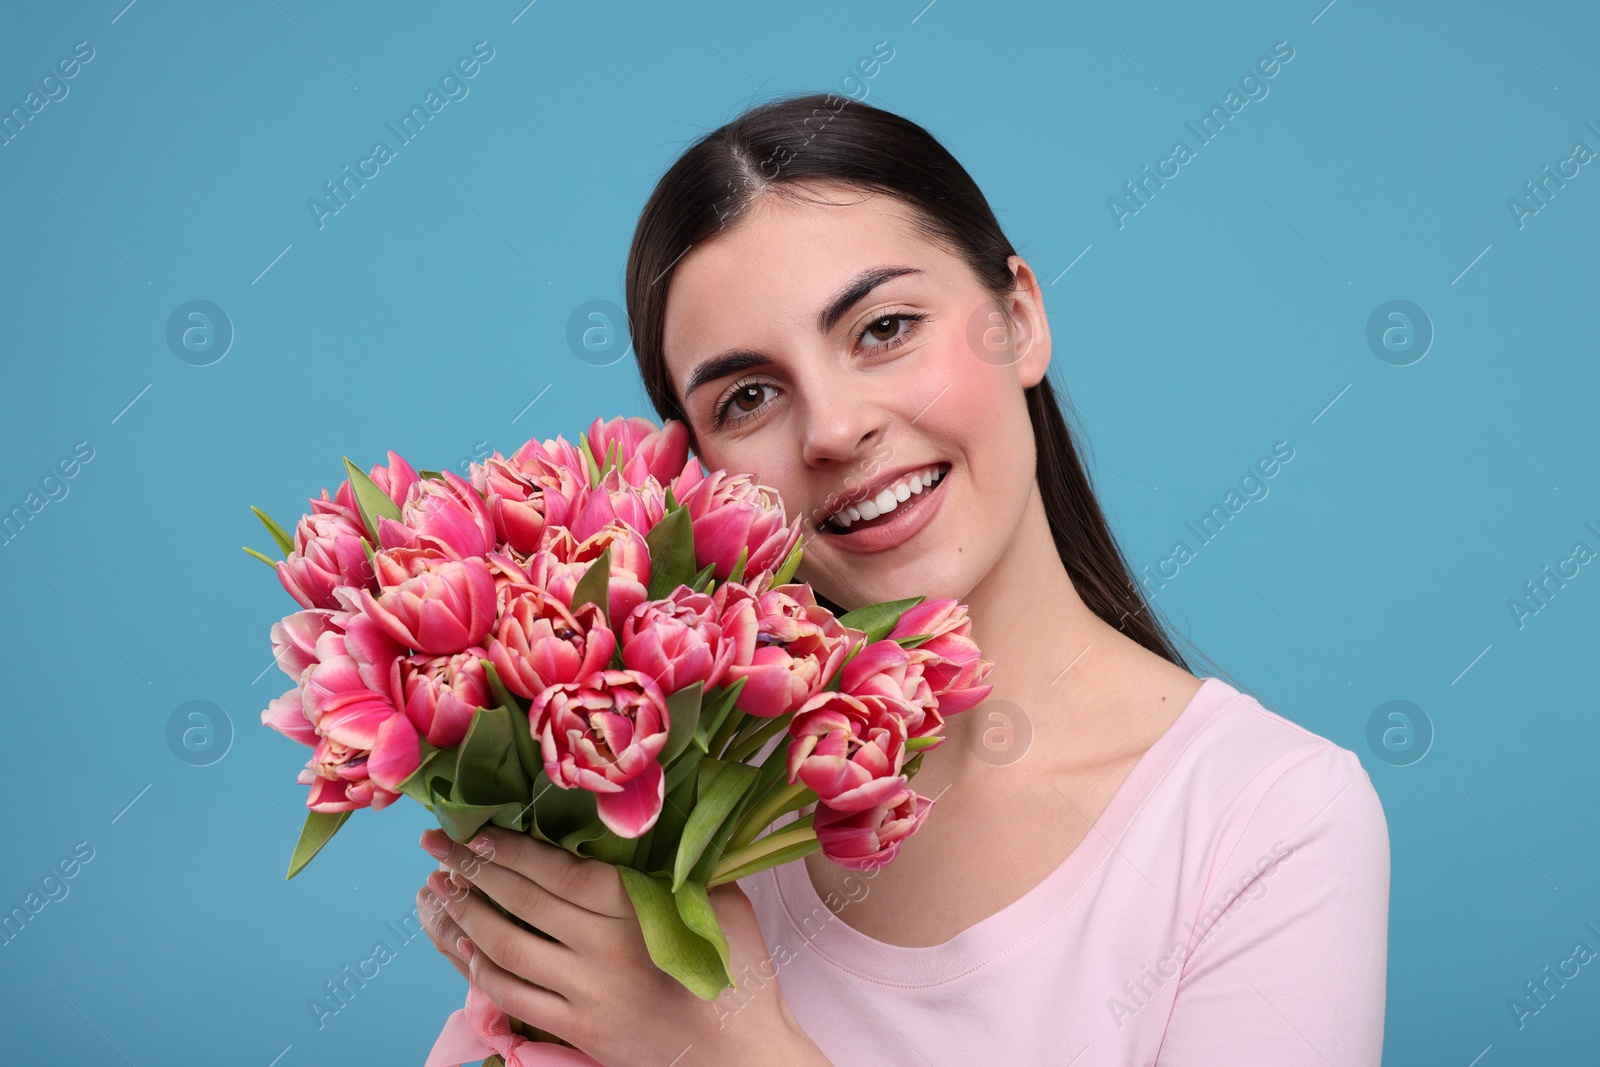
826 138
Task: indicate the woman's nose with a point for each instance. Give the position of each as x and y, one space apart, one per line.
840 422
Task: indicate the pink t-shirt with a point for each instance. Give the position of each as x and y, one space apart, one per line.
1229 908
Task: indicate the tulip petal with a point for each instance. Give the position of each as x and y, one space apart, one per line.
633 811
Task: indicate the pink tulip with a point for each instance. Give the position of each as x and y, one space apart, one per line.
294 639
439 694
446 608
395 481
799 646
554 456
603 734
630 564
445 513
677 641
327 554
540 642
848 750
639 506
950 659
733 513
883 668
866 840
647 450
515 500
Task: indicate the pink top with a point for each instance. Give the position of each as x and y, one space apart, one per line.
1229 907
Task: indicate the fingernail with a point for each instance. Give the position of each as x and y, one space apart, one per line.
441 888
466 949
482 846
460 879
433 846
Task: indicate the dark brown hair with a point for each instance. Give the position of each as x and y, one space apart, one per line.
777 146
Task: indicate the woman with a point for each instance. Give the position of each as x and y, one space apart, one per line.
1165 873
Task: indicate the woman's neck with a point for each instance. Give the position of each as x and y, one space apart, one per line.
1066 669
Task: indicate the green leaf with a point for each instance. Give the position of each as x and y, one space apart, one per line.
373 503
588 459
662 840
914 641
791 562
878 619
319 828
416 786
683 768
559 812
737 574
595 585
671 544
694 908
463 821
710 812
683 716
714 711
674 947
672 501
702 580
610 847
582 835
285 542
527 748
917 744
772 859
912 765
431 475
488 766
268 560
613 458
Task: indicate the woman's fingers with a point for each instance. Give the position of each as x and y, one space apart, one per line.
527 900
589 884
529 1003
521 952
442 930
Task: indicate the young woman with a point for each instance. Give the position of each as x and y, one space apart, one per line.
1126 863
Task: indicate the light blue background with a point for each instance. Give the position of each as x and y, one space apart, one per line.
1226 316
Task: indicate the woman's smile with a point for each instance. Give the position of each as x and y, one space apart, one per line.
888 512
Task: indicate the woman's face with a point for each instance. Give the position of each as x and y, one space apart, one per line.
829 349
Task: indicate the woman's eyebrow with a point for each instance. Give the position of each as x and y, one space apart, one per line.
853 292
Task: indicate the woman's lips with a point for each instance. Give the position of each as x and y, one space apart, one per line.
892 529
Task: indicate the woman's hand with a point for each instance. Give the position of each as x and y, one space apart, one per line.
595 984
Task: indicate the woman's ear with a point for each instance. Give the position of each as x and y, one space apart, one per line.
1032 325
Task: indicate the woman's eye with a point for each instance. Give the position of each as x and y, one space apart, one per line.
890 331
741 402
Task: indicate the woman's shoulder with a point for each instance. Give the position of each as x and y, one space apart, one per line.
1241 769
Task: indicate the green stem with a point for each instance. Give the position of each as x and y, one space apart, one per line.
786 799
720 739
751 744
750 855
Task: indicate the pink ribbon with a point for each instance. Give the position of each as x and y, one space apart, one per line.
481 1029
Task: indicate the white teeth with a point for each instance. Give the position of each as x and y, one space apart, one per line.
887 499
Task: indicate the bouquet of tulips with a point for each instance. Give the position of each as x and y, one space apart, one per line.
602 646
